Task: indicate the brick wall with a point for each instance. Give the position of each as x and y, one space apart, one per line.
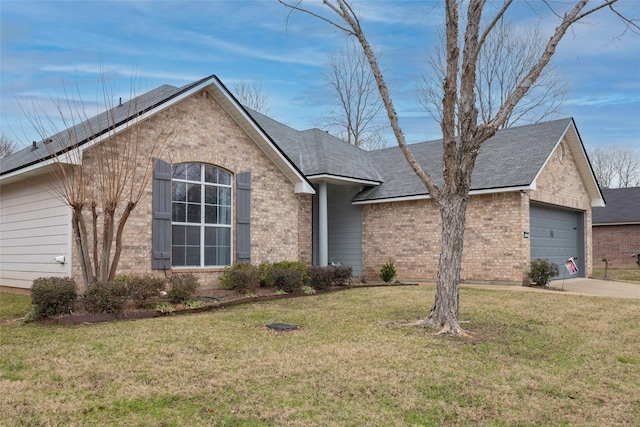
280 228
409 234
495 249
616 243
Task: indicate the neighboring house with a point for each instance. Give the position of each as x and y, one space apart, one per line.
307 196
616 228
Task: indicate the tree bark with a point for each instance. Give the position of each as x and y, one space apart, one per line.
444 313
79 230
116 255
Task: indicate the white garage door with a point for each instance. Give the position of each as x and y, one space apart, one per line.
557 235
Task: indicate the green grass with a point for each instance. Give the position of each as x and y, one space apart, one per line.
631 274
535 359
12 305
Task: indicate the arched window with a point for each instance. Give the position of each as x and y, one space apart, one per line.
201 216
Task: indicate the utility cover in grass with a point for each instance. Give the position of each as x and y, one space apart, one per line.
283 327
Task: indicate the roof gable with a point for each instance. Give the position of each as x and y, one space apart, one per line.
511 160
119 118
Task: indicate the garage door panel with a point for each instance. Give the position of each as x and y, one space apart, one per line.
556 235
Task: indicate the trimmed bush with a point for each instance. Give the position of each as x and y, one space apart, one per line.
266 271
182 287
320 277
388 271
342 275
542 271
105 297
287 279
52 296
144 290
241 277
331 275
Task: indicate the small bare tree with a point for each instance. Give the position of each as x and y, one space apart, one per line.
250 94
7 146
357 100
462 132
106 177
616 167
504 59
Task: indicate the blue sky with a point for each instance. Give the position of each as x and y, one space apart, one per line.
49 45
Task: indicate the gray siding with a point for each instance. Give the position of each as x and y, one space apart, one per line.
34 229
345 227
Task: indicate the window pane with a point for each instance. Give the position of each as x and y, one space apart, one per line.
210 255
224 236
178 191
194 172
211 195
193 213
210 236
211 174
179 171
224 178
193 256
224 256
179 212
224 215
194 193
211 214
224 196
178 234
193 236
178 256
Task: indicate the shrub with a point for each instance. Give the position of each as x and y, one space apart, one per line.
287 279
241 277
320 277
266 271
182 287
388 271
105 297
342 275
51 296
143 289
542 271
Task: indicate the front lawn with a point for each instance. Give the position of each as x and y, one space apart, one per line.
536 359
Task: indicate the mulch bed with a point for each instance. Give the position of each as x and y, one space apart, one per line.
214 299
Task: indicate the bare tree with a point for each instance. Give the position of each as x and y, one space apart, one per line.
106 179
250 94
602 161
357 100
7 146
616 167
462 134
504 59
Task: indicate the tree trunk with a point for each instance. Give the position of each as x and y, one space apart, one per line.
107 239
79 230
444 313
116 255
94 223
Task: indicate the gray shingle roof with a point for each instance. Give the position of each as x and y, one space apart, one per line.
511 158
315 152
93 127
623 207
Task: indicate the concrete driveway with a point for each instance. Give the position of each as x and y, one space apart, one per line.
602 288
577 286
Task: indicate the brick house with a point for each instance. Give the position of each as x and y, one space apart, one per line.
236 185
616 228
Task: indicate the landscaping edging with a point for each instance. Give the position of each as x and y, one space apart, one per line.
148 314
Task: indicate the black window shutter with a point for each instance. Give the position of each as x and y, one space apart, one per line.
161 223
243 217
